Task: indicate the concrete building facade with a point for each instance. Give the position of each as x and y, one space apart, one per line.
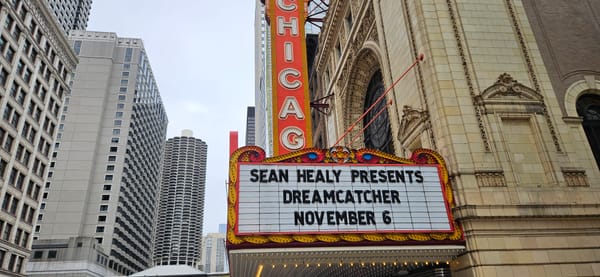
178 238
36 64
507 93
104 176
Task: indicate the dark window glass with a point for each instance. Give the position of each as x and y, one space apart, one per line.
52 254
588 107
378 134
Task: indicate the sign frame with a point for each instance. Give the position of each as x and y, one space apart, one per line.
291 115
338 155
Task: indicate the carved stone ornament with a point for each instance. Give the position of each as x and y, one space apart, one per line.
412 121
506 86
508 95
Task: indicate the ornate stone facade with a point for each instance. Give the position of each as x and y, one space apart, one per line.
522 168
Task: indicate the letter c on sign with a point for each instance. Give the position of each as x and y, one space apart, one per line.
286 7
292 138
283 75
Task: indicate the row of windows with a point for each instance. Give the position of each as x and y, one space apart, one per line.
15 262
39 254
21 237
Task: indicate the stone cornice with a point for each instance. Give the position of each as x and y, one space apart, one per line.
53 32
467 212
327 35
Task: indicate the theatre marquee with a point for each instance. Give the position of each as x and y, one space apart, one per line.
338 195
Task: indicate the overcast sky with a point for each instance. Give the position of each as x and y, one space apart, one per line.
202 56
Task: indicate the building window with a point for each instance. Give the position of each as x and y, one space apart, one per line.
6 231
102 218
103 208
38 254
108 177
77 46
112 158
114 140
99 229
588 107
105 197
107 187
52 254
378 134
114 149
128 54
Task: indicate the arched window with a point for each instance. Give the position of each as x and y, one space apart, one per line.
379 134
588 107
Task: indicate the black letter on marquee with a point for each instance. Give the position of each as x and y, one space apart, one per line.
287 196
254 174
298 218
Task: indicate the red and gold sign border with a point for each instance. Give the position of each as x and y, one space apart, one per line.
335 155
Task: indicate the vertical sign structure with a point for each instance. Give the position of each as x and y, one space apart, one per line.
291 114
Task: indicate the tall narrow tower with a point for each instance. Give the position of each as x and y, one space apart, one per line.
178 238
105 173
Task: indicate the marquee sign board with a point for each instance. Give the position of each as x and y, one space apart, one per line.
338 195
313 199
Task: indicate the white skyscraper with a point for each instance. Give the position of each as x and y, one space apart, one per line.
262 90
104 176
181 207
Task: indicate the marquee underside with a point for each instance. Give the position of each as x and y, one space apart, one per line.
370 261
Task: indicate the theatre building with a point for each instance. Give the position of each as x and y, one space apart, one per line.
508 93
505 94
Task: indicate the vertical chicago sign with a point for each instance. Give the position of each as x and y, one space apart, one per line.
291 113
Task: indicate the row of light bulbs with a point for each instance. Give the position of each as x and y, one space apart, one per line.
363 264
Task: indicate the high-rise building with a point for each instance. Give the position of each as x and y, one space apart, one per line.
104 176
179 223
250 126
262 89
214 255
36 63
71 14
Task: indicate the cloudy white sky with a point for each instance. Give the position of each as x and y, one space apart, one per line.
202 56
